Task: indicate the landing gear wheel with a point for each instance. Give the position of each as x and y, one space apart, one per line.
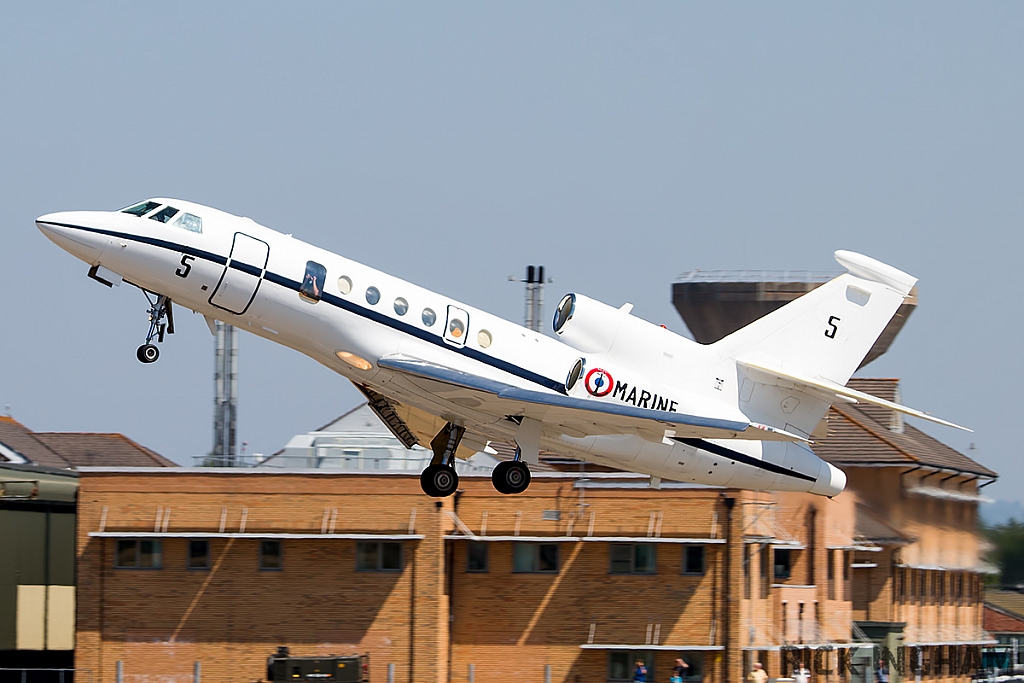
148 353
510 477
439 481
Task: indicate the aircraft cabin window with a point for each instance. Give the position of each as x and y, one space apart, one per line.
429 317
401 306
312 287
165 214
372 295
141 209
484 339
344 284
458 324
190 222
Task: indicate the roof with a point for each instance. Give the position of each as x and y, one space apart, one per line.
1008 602
861 435
83 449
66 450
20 439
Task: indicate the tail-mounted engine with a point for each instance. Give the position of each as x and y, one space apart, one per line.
593 327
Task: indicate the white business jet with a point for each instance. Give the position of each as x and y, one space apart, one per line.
610 388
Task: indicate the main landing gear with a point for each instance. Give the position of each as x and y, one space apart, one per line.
159 308
439 479
511 476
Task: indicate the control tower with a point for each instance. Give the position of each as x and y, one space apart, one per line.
714 304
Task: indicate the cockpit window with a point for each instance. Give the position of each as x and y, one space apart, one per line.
141 209
190 222
165 214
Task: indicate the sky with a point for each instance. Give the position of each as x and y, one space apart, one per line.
451 144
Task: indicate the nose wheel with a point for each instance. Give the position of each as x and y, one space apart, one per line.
159 310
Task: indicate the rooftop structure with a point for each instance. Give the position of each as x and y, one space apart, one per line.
70 450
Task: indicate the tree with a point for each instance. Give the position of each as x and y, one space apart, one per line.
1008 550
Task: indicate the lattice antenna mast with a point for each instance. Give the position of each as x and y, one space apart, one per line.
225 395
534 314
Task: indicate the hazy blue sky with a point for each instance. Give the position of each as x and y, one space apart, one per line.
619 144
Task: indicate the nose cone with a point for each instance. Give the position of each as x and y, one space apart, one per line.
831 481
73 232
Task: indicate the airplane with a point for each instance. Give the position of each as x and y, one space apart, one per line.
608 387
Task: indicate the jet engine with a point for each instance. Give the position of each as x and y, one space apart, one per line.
594 327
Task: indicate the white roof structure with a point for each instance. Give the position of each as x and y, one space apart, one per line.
358 440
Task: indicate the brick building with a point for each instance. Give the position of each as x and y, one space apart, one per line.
571 581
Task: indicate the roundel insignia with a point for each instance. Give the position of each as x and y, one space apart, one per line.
599 383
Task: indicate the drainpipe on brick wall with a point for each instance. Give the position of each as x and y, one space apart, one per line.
726 592
450 571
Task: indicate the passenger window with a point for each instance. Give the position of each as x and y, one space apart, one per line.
458 323
401 306
141 209
190 222
429 317
372 295
312 287
165 214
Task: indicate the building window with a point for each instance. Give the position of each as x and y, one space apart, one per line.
746 570
198 554
632 558
693 559
270 555
694 661
535 557
830 563
384 556
476 556
623 663
783 563
139 554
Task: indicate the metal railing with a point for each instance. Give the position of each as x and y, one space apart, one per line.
39 675
756 276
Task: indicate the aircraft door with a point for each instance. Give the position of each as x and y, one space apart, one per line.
242 274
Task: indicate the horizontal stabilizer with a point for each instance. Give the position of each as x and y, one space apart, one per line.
833 390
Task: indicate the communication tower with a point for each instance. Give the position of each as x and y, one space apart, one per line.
225 396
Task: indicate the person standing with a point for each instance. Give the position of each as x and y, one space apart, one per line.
758 674
679 671
640 672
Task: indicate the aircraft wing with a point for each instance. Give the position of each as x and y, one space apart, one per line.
577 416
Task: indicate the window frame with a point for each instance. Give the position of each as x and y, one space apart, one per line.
536 558
788 554
648 657
634 549
280 555
188 555
379 566
703 559
486 547
157 552
318 281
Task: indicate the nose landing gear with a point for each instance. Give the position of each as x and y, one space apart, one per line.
439 478
159 308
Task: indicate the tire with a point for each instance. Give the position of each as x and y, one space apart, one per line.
439 481
510 477
147 353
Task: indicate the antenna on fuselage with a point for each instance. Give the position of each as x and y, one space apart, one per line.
225 396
